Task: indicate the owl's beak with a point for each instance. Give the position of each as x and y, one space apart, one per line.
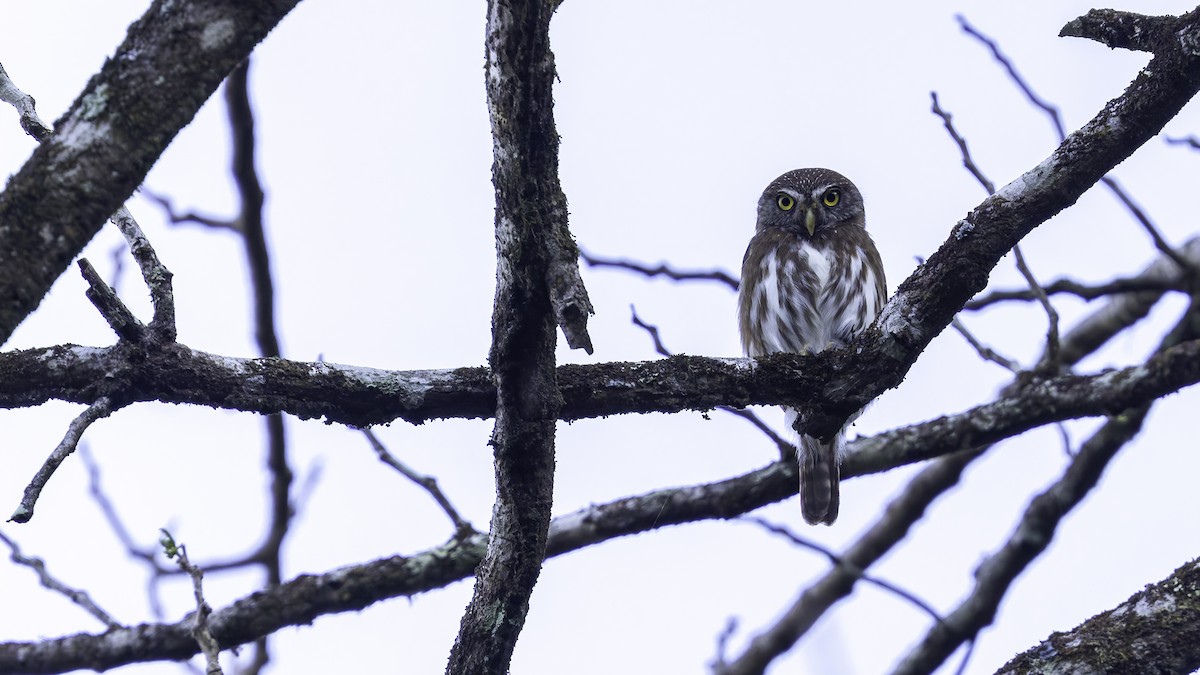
810 220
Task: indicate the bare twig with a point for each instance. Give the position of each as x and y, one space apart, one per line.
30 122
787 450
462 528
1082 291
75 595
985 352
891 528
967 160
1122 311
1148 225
103 407
208 644
119 317
147 555
1190 141
1045 106
155 274
1050 355
723 639
651 330
192 218
1052 344
839 561
661 270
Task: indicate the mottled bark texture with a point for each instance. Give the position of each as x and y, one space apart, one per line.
357 396
171 61
531 212
1155 631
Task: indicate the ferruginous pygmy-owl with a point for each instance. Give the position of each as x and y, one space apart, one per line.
811 279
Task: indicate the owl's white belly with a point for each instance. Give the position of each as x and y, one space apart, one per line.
809 301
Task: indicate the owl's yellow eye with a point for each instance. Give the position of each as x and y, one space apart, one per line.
831 197
785 202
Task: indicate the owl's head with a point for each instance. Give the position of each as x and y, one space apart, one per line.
810 203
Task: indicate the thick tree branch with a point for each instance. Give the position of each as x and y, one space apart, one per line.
1038 524
365 396
834 384
301 600
171 61
1122 30
927 301
537 286
1162 620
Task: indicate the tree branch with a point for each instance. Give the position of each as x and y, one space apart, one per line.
662 269
360 397
1033 534
171 61
103 407
537 286
1160 620
75 595
303 599
1038 524
839 581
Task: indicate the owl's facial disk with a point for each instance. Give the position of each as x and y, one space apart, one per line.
803 208
810 203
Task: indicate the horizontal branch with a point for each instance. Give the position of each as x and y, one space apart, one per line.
300 601
359 397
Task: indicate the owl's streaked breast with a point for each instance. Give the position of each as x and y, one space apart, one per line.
799 296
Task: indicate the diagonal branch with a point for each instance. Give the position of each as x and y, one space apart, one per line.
171 61
102 408
925 303
839 581
1162 615
1036 529
24 103
75 595
1031 538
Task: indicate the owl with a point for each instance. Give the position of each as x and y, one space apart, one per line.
811 280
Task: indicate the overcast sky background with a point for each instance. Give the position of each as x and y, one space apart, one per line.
375 151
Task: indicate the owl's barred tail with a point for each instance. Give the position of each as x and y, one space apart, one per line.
819 477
